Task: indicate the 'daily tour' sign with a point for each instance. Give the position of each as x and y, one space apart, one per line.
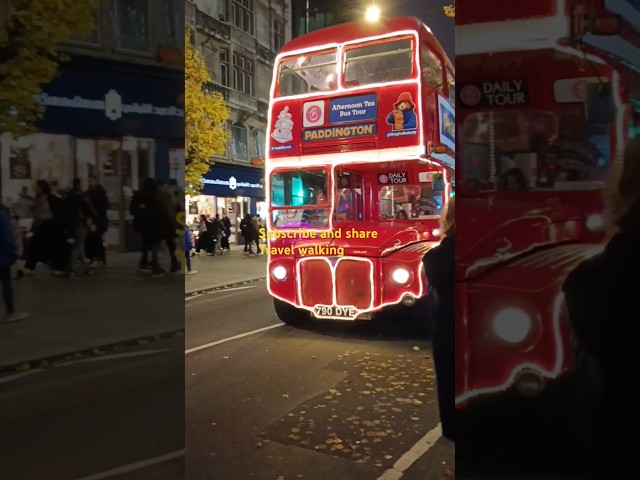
501 93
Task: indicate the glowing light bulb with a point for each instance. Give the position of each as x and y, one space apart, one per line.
372 14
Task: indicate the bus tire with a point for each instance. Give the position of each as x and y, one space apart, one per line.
290 314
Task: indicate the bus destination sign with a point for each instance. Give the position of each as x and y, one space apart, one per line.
360 108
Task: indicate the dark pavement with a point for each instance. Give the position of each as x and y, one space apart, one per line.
80 419
340 401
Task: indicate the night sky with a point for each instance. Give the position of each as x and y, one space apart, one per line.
431 13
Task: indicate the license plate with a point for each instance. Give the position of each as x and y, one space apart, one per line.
325 311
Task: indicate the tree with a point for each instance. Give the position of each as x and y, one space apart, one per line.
31 32
204 115
450 10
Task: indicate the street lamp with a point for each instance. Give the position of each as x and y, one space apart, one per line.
372 14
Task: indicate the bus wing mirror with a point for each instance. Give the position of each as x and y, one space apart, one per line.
599 104
605 25
439 149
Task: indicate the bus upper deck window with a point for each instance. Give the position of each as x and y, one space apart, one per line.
307 73
379 63
431 69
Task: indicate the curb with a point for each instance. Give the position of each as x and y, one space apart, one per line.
222 287
86 352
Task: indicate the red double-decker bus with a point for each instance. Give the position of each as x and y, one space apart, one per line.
359 167
543 115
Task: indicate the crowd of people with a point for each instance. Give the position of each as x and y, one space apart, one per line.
64 231
211 235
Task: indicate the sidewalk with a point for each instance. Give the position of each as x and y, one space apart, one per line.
115 305
230 268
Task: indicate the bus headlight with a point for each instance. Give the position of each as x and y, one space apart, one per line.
400 275
512 325
279 272
435 232
595 222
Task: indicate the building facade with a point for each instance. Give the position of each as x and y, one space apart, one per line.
239 40
311 15
114 111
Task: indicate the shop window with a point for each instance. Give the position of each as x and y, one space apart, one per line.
130 25
239 142
258 143
432 71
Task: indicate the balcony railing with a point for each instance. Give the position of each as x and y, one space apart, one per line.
211 26
263 108
264 54
213 88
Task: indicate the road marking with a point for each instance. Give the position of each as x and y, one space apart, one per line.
135 466
113 357
229 339
101 358
19 375
418 450
222 290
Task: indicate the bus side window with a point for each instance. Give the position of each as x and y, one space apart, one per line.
432 71
451 82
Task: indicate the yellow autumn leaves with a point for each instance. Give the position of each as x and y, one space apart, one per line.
204 115
450 10
30 36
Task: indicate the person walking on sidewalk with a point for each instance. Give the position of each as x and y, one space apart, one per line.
226 224
256 232
81 219
8 256
216 234
246 227
96 251
47 243
188 245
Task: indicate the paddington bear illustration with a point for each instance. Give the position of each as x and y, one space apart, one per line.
403 117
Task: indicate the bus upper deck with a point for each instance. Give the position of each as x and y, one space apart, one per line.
379 92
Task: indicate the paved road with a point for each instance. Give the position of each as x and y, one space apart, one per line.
341 401
97 415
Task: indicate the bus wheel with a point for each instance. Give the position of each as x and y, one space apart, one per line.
290 314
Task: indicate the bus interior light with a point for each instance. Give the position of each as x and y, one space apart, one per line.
439 149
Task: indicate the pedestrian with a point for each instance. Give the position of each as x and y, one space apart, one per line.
439 266
226 224
188 245
81 221
245 231
256 232
48 242
601 302
95 248
8 256
216 234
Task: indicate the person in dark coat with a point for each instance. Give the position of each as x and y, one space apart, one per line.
96 250
439 266
151 221
601 302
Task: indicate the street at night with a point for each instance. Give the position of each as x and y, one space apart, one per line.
346 400
102 414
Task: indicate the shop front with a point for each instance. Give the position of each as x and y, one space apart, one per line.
117 122
229 190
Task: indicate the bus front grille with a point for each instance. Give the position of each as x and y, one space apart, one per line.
316 282
353 280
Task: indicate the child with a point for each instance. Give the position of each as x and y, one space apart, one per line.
188 245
